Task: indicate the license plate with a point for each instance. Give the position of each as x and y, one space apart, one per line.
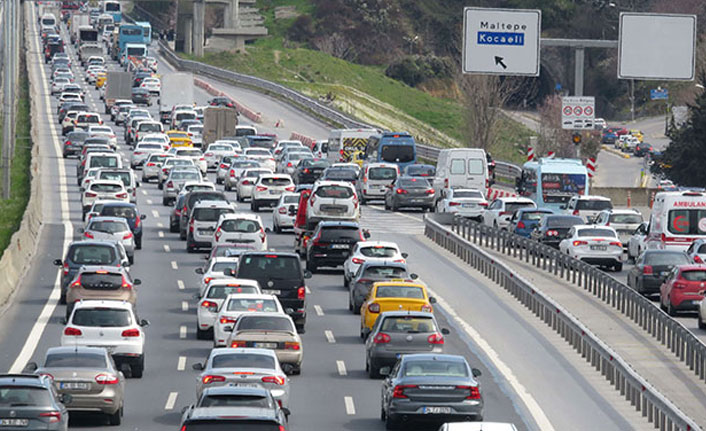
340 246
599 247
110 349
436 410
247 385
274 192
266 345
14 422
468 205
205 231
73 386
271 292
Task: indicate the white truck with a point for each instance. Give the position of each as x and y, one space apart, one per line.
118 86
177 88
87 34
218 122
88 50
78 20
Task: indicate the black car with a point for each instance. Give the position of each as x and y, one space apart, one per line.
642 149
279 274
260 141
140 76
310 170
371 272
51 49
141 96
182 216
332 242
420 170
73 143
341 173
80 253
553 228
130 213
221 101
652 268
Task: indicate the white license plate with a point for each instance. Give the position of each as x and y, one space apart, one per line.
206 231
266 345
74 386
436 410
340 246
275 192
14 422
599 247
247 385
271 292
468 205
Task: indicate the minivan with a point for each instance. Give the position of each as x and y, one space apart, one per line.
375 178
461 167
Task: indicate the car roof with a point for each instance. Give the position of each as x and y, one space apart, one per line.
242 351
592 226
103 242
110 303
592 197
400 283
245 216
377 243
321 183
234 281
270 254
407 313
233 413
692 267
331 223
433 356
24 380
623 211
212 204
77 348
108 218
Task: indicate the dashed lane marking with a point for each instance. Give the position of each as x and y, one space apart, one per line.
180 284
319 311
181 364
350 406
171 400
329 336
174 265
182 331
341 367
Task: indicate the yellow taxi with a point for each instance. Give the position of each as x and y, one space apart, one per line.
393 296
637 133
177 138
101 77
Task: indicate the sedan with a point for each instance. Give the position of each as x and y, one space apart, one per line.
652 267
410 192
141 96
463 202
430 387
552 229
112 229
393 296
683 290
237 305
597 245
213 297
309 170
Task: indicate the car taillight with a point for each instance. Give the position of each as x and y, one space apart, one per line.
137 221
67 143
133 332
616 243
474 392
290 188
357 260
435 339
578 243
398 392
170 184
127 235
237 344
212 379
212 306
260 188
263 236
301 293
65 268
106 379
521 225
292 346
226 320
278 380
454 204
382 338
552 233
576 212
218 234
246 182
697 259
429 191
426 308
72 332
191 225
121 195
374 307
679 284
401 191
90 195
223 166
150 164
88 235
53 417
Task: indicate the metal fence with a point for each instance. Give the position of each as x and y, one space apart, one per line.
655 408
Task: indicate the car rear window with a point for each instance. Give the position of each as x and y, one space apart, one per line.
75 360
243 360
207 196
694 275
435 368
563 222
626 218
222 266
382 173
265 323
290 199
378 251
597 232
210 214
116 211
408 324
236 400
25 396
281 181
251 305
150 127
333 191
257 152
593 205
189 153
92 255
108 227
221 292
330 233
421 171
101 280
185 175
666 258
385 272
514 206
533 215
399 292
123 177
255 172
413 183
104 162
269 266
341 174
240 226
467 194
103 317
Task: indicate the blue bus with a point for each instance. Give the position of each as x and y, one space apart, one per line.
113 9
130 33
146 31
550 183
391 147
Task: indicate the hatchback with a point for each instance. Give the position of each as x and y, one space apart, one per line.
240 228
29 402
683 289
410 192
268 189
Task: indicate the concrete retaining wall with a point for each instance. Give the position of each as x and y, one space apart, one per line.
639 197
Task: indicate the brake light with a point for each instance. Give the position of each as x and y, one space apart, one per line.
616 243
260 188
435 339
121 196
382 338
125 284
578 243
212 379
137 221
576 212
552 233
291 346
88 235
282 210
429 191
278 380
290 188
226 320
217 235
238 344
401 191
67 143
679 284
398 392
212 306
357 260
521 225
454 204
90 195
66 268
246 182
72 332
301 293
483 204
474 392
134 332
263 236
306 170
697 259
191 225
289 164
106 379
207 280
426 308
127 235
374 307
170 184
150 164
53 417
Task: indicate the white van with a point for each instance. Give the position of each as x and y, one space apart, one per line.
678 218
461 167
375 178
341 142
47 21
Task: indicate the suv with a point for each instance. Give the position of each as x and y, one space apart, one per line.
109 324
101 282
202 223
31 402
80 253
268 189
279 274
332 200
332 242
126 176
242 229
587 207
188 204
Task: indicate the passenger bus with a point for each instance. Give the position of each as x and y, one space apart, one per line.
146 31
391 147
133 50
550 183
113 9
129 33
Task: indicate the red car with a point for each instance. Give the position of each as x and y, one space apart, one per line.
683 289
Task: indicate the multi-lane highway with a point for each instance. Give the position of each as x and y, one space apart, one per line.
530 377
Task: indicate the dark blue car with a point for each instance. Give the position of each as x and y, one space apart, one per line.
130 213
524 220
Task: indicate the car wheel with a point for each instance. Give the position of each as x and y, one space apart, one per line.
160 186
254 207
219 181
350 302
131 259
138 243
356 307
226 187
363 201
174 228
62 297
373 372
116 417
383 416
310 265
69 309
639 287
391 424
670 308
182 235
138 368
618 267
202 334
165 202
702 324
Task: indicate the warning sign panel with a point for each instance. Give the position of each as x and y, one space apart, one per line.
577 113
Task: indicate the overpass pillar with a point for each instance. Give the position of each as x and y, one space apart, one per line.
235 14
198 27
188 35
228 16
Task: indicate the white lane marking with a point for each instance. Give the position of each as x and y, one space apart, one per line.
155 214
184 306
174 265
319 311
350 407
532 405
171 400
341 366
307 290
329 336
180 284
160 234
181 365
160 224
149 201
144 192
182 331
40 324
167 249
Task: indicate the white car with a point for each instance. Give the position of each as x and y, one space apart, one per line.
333 200
88 178
268 189
113 229
153 166
478 426
192 153
246 182
215 152
289 162
284 143
67 96
638 241
236 305
104 131
109 324
371 251
282 217
153 85
103 189
240 228
95 210
142 151
215 270
624 221
597 245
73 88
192 186
500 211
463 202
195 132
168 164
212 298
262 156
58 85
236 169
178 176
587 207
156 138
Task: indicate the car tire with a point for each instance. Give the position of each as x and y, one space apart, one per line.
618 267
62 297
373 372
69 309
160 186
383 416
391 424
639 287
350 302
182 235
226 187
202 334
219 181
363 201
310 266
190 248
670 308
138 368
276 228
701 323
165 202
254 207
116 418
173 227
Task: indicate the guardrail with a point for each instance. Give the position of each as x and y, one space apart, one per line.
641 394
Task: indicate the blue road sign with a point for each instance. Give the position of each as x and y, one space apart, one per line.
659 94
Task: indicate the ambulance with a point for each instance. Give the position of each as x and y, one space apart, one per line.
678 218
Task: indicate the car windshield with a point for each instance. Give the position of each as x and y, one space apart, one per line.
334 191
378 251
229 250
252 322
210 214
435 368
382 173
329 233
597 232
221 292
511 207
243 360
255 172
145 146
150 127
108 227
659 258
400 292
240 226
408 324
626 218
92 254
104 162
233 400
270 267
384 272
593 205
101 280
252 305
75 360
76 136
219 148
467 194
101 317
18 396
277 182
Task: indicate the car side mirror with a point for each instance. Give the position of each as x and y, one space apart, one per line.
142 217
366 234
30 367
137 184
432 300
65 398
288 310
562 207
413 276
405 255
184 409
385 371
229 272
268 230
199 271
58 262
307 274
286 411
445 331
198 366
476 372
144 322
137 282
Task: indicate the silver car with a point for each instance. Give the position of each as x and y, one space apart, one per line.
153 165
112 229
178 176
215 152
237 167
142 151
